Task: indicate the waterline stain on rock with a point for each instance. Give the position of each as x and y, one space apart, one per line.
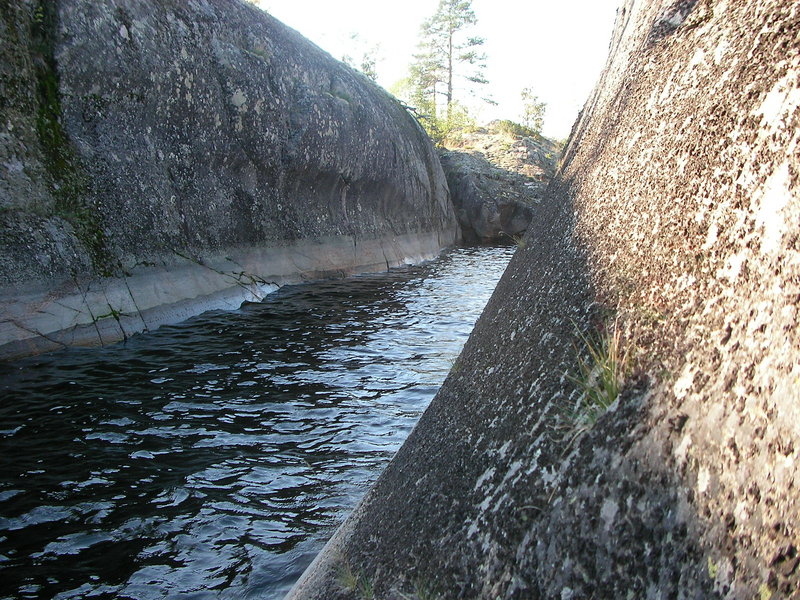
210 131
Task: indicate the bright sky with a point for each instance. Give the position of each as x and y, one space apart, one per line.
555 47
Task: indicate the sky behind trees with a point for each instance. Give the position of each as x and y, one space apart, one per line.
555 47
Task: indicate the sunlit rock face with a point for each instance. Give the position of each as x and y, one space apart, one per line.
674 220
162 158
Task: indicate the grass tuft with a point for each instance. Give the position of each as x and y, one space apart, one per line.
517 240
603 365
356 582
455 365
422 591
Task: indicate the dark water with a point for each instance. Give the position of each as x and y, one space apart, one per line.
213 458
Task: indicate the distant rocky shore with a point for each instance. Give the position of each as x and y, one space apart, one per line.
496 177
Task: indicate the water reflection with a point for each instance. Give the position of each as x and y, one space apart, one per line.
213 458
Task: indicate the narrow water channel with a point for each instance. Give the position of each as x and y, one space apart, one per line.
212 459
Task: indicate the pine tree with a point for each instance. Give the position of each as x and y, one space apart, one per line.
447 52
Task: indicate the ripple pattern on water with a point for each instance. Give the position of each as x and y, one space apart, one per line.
213 458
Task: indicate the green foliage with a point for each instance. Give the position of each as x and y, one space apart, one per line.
446 52
458 121
603 365
713 568
455 124
513 128
366 57
519 241
355 582
369 66
533 110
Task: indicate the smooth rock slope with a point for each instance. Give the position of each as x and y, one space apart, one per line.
159 158
672 225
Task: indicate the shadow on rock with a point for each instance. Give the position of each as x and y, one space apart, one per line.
496 179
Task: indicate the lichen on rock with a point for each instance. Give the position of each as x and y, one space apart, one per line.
676 214
145 141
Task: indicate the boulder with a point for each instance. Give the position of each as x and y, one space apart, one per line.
496 179
491 204
160 158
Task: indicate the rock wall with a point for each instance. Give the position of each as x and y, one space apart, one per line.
672 228
491 204
162 158
496 177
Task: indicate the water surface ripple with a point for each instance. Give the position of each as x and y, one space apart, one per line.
212 459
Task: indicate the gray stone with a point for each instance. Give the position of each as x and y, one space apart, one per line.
169 154
491 204
496 180
676 212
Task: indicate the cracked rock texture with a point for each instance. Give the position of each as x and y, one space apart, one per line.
159 158
675 220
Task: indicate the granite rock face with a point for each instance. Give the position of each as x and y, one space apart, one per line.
496 179
161 158
674 223
491 204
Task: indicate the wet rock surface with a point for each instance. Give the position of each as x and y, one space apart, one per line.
674 222
189 136
496 179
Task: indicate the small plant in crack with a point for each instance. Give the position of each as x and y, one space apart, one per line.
355 581
455 365
517 240
603 365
